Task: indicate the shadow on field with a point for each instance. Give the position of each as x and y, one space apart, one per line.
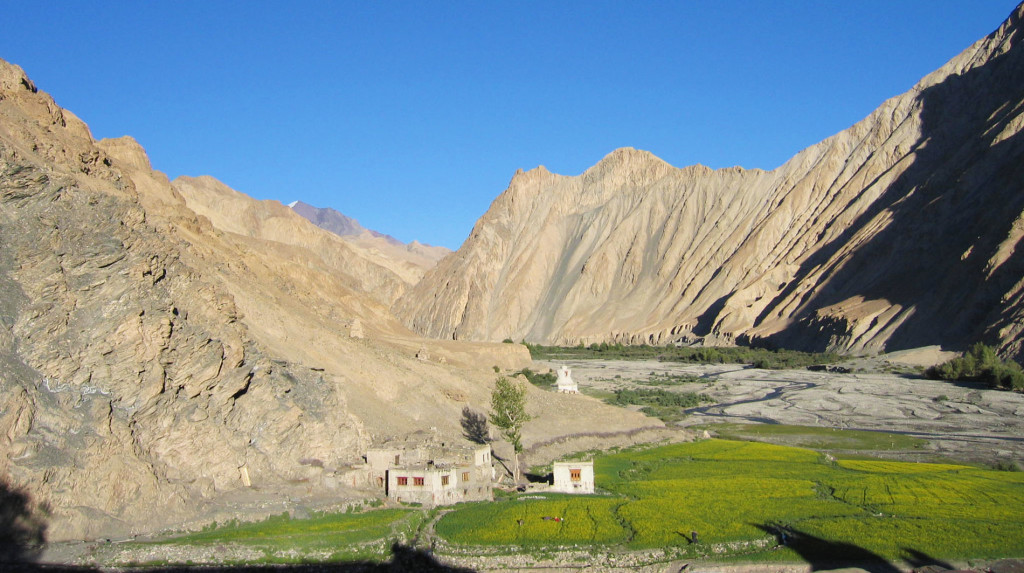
916 559
822 554
403 559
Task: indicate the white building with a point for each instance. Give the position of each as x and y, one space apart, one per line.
573 477
564 382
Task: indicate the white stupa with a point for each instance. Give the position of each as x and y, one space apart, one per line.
564 381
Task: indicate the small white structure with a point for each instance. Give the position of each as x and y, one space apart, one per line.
573 477
564 381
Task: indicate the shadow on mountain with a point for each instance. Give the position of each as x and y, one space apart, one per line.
822 554
403 559
22 526
948 213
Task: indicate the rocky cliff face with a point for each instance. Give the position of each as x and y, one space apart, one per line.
164 347
901 231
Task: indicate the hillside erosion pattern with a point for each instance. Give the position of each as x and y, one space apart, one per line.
901 231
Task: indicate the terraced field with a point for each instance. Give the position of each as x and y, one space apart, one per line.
767 502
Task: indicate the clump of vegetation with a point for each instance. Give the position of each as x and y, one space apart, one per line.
669 379
668 406
656 397
757 357
981 364
545 380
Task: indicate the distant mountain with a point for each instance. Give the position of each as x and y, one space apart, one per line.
902 231
347 227
336 222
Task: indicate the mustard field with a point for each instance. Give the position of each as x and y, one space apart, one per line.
791 502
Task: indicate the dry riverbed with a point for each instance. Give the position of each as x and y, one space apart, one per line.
959 421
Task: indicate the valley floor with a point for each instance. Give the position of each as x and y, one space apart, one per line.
903 416
960 421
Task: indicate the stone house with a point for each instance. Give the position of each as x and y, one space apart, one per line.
423 470
573 477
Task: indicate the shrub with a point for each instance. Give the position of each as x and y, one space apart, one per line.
545 380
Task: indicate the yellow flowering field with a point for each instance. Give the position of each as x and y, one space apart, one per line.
555 520
735 491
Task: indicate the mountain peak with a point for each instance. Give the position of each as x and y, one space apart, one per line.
629 163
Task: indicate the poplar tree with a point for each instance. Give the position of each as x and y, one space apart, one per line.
508 414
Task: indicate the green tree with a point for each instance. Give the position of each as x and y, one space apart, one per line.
508 414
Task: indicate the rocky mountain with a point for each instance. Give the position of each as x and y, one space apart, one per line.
271 225
419 254
169 351
902 231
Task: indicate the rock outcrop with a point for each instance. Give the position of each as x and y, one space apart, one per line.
902 231
164 345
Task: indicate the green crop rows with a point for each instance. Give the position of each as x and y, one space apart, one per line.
743 491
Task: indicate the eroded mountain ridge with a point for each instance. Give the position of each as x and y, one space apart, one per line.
901 231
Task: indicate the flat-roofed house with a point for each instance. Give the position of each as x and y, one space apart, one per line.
431 473
573 477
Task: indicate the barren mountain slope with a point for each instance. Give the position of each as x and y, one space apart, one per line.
366 270
901 231
151 363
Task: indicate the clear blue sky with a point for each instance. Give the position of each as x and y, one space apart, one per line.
413 116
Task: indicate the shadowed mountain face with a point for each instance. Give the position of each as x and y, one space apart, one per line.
901 231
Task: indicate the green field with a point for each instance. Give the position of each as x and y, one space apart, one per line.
735 492
327 537
815 437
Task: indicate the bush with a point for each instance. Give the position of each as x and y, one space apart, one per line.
537 379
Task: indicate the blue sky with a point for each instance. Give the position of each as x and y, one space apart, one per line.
413 116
